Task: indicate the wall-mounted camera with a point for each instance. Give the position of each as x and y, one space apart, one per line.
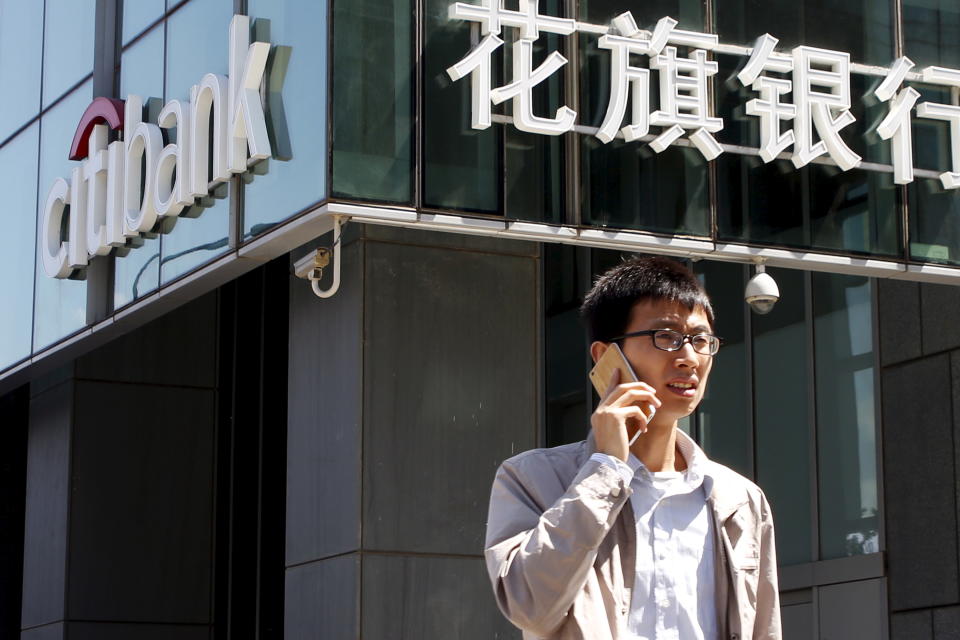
762 291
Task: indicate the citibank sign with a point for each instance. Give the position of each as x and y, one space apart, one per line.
122 189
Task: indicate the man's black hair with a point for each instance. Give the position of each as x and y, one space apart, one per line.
606 308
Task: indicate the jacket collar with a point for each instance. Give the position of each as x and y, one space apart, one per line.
725 495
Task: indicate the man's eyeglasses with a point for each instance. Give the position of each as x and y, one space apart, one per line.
670 340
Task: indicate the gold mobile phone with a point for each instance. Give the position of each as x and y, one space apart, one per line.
611 360
614 360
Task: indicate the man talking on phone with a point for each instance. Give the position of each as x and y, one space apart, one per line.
634 532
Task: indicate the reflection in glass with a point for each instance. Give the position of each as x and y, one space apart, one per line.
197 36
141 73
863 29
534 163
18 183
816 206
138 15
933 210
724 414
931 30
60 305
373 100
783 424
296 176
68 45
21 38
462 166
565 348
689 13
621 183
846 431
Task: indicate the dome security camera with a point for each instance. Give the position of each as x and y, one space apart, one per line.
762 292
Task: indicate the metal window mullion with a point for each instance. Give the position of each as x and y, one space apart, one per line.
812 408
877 412
419 97
751 416
571 214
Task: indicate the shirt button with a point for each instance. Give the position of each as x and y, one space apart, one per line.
623 609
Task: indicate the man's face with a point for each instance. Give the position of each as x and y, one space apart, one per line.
679 377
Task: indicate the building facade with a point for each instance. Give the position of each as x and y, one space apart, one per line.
284 282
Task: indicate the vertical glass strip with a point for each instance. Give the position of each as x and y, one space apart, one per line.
846 427
18 183
197 38
373 76
296 110
784 435
21 40
60 305
137 268
462 165
724 414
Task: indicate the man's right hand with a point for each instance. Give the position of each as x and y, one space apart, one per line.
621 407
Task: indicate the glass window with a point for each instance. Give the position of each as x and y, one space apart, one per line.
373 100
846 431
138 15
60 305
724 415
784 428
137 269
68 36
931 30
296 176
197 37
933 217
21 39
622 183
18 183
462 165
863 29
817 206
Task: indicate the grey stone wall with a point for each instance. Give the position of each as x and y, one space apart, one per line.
920 387
407 389
119 509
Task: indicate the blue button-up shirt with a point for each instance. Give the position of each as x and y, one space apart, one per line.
674 588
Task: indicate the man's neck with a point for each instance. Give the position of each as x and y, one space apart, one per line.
657 449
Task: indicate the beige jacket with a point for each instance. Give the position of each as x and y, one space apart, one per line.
561 546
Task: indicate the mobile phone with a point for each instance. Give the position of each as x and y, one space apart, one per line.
614 360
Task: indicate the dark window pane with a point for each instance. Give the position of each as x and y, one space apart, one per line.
817 206
863 29
67 45
462 165
197 37
373 100
784 433
724 415
534 163
21 39
689 13
296 95
933 210
846 431
622 183
18 183
931 30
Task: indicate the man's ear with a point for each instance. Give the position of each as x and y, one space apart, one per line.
597 349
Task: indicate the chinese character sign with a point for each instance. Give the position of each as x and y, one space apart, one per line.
802 104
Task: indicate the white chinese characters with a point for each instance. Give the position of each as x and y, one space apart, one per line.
803 102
